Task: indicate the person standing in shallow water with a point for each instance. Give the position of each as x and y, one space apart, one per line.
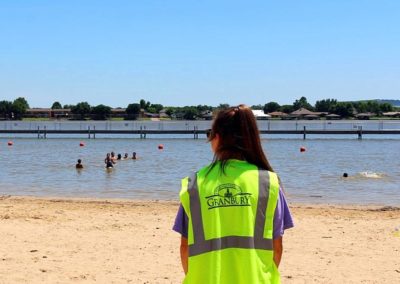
233 212
109 161
79 164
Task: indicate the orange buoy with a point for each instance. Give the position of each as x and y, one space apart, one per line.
160 146
10 143
81 144
302 149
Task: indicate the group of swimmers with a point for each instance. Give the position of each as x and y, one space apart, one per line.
110 159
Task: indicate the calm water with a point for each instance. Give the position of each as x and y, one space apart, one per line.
46 167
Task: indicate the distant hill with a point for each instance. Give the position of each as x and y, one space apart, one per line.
395 103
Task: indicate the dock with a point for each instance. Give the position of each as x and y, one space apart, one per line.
195 133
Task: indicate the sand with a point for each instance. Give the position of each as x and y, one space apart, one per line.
49 240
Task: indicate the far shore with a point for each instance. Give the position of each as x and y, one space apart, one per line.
84 240
375 118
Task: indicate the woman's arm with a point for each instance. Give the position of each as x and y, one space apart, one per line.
282 221
278 249
184 254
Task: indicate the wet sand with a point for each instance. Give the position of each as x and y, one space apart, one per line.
50 240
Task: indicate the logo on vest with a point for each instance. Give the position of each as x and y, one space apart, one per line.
227 195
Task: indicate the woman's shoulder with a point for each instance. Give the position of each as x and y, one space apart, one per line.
207 168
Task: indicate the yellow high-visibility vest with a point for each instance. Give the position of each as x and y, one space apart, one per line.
230 233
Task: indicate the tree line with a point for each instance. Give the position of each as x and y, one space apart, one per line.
344 109
16 109
13 110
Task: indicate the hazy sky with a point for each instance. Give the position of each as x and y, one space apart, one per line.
198 52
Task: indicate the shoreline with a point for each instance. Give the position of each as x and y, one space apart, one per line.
86 240
348 206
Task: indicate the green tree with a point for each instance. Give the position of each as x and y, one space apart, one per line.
142 104
201 108
22 101
19 107
56 105
5 109
223 106
133 110
81 110
325 105
361 106
155 108
271 107
170 111
344 109
258 107
151 110
190 113
101 112
287 108
386 107
302 103
68 106
374 107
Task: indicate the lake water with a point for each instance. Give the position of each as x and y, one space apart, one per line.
46 167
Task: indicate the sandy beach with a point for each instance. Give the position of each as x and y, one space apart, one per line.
50 240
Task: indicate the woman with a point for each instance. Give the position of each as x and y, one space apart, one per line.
233 212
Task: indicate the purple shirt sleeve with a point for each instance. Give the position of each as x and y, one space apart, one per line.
181 222
282 218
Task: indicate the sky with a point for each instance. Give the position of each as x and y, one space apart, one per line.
179 53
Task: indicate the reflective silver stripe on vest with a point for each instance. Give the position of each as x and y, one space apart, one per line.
258 241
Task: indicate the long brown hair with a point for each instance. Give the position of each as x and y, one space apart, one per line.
239 138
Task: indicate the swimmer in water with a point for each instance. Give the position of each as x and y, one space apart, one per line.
119 157
134 156
79 164
109 161
113 156
126 156
345 175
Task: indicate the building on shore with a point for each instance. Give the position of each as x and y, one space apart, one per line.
303 113
278 114
392 114
260 115
364 116
332 116
119 112
48 113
